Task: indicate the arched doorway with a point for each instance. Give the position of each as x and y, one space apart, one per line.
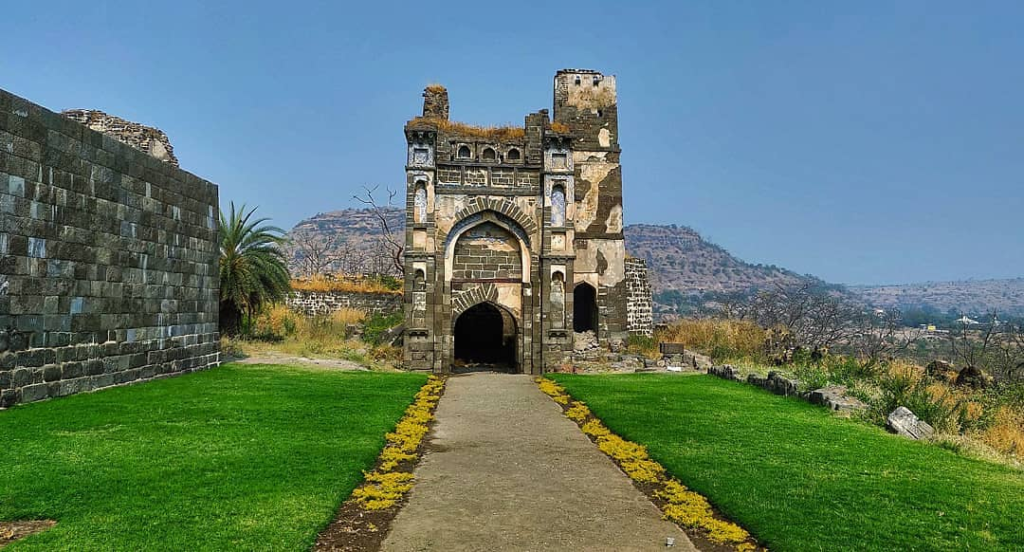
584 308
485 337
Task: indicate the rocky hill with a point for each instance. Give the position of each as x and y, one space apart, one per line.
686 270
346 241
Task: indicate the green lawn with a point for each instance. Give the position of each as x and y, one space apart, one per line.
238 457
801 479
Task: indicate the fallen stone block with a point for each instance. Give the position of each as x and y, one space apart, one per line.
904 422
835 397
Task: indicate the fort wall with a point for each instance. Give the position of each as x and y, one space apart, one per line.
108 260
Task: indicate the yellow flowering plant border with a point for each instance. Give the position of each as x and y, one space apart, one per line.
688 509
362 521
385 486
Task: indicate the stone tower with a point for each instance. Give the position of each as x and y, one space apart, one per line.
514 238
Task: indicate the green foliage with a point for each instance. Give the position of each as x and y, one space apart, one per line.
374 326
253 270
829 370
800 478
387 281
234 458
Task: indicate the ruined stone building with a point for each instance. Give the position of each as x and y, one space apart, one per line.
514 238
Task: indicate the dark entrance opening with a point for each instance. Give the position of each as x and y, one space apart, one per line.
485 337
584 308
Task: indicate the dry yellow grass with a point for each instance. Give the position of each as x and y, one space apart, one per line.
560 128
717 338
499 133
347 315
1006 434
341 284
435 87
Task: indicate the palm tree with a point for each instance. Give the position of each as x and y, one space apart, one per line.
252 268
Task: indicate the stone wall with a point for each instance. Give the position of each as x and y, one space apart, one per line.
312 303
108 260
639 301
487 251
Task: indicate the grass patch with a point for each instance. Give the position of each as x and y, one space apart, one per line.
801 479
238 457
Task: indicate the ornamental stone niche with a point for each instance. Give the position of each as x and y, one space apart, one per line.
509 229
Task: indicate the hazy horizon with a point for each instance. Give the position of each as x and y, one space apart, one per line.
863 144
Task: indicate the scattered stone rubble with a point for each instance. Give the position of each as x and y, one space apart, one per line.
834 397
585 342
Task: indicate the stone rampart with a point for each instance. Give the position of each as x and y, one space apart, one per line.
312 303
108 260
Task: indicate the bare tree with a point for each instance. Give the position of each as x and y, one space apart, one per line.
1006 360
968 346
883 335
814 317
391 241
316 257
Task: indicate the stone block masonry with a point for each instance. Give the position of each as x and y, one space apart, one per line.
312 303
639 300
108 260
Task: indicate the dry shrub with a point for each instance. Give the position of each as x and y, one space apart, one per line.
324 284
718 338
277 322
231 348
1006 433
642 345
386 353
347 316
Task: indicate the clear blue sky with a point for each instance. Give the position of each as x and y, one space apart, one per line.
863 142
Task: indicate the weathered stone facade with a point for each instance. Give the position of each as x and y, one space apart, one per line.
519 229
312 303
108 260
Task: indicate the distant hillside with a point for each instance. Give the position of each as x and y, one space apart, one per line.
970 296
686 270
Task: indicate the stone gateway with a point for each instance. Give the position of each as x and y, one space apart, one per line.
514 235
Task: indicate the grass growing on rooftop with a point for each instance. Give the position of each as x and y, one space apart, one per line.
801 479
239 457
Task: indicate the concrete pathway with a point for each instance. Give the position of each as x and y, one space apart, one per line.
505 470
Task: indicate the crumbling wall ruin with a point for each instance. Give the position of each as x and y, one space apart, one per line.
141 137
108 260
639 300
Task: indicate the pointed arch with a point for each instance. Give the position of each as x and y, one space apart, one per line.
476 219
